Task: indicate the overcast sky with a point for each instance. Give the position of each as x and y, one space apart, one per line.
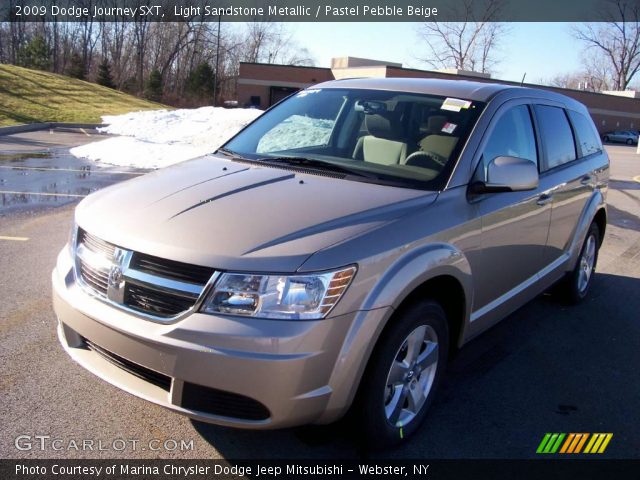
542 50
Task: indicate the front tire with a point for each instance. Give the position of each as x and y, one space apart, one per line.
606 138
629 141
575 286
403 374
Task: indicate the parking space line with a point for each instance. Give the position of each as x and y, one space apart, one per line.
85 132
636 178
14 239
46 194
46 169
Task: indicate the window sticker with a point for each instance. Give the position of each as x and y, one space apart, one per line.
455 104
304 93
449 127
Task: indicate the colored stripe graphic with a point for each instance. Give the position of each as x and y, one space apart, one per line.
598 442
550 443
567 443
544 441
581 443
574 442
556 445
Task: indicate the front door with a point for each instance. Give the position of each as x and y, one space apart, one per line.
515 225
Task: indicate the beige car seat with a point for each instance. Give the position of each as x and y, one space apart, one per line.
438 146
385 143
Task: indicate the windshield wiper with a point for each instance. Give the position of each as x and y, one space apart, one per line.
314 163
227 153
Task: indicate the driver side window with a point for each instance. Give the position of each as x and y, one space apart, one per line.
512 136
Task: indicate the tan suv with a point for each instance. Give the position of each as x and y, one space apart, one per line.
335 252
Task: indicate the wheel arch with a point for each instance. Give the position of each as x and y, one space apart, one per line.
439 272
594 211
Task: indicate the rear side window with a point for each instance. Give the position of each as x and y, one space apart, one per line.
586 135
512 137
556 135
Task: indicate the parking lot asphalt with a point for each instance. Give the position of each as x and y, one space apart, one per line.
546 368
37 171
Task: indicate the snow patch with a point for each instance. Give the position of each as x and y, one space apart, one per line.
295 132
158 138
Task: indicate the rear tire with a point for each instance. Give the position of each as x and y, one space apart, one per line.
629 141
575 286
402 376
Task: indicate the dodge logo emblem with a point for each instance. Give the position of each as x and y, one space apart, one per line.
115 277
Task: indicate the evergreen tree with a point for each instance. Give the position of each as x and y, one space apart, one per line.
153 86
104 75
35 54
201 82
76 67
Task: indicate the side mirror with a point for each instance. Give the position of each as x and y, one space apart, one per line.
508 174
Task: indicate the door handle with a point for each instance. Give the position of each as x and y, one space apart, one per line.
544 199
586 180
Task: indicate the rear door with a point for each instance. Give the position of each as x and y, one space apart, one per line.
569 141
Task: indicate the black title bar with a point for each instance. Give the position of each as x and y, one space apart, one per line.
311 10
325 469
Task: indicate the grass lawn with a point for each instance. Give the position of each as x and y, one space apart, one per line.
30 96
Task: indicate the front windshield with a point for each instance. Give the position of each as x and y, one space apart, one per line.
404 139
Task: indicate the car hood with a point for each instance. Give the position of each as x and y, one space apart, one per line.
229 215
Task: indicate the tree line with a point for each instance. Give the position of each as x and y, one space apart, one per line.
175 63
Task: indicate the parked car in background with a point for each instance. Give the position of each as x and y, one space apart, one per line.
621 136
334 254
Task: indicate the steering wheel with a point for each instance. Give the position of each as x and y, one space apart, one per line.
424 159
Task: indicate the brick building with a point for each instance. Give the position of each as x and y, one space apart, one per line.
262 85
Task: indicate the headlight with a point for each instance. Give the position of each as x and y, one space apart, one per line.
73 236
305 297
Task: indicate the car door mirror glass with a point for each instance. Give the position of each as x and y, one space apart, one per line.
508 174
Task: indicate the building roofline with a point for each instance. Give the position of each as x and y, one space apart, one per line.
284 65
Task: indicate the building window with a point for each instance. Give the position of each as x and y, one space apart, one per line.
254 101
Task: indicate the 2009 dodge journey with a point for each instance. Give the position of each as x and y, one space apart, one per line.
332 255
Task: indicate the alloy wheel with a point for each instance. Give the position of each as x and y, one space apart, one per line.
411 376
587 261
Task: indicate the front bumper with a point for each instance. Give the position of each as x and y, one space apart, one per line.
298 372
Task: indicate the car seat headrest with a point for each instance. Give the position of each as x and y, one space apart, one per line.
385 126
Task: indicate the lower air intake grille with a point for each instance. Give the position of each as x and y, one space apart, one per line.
155 378
225 404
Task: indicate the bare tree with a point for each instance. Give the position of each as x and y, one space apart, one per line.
616 42
467 45
269 42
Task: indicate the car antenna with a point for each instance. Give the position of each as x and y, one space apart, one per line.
523 76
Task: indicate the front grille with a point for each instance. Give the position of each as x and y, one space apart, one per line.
95 278
95 244
218 402
151 376
157 302
171 269
151 285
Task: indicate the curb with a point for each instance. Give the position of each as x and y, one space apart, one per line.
32 127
